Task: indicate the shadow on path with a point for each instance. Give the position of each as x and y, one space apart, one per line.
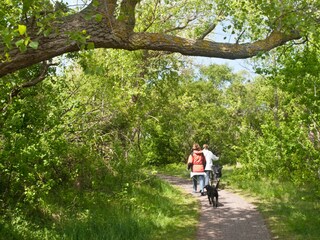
234 219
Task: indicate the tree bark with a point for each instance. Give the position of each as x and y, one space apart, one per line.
118 34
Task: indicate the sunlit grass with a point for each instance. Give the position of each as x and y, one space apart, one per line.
291 213
146 209
152 210
174 169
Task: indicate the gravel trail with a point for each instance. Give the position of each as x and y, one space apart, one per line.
234 219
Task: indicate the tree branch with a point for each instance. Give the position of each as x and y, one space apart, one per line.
208 31
42 75
212 26
238 39
180 27
118 34
153 17
16 90
127 13
162 42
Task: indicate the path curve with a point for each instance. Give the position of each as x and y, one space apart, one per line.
234 219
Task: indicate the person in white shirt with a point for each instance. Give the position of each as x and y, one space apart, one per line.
209 158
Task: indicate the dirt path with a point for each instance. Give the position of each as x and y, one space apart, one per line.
234 219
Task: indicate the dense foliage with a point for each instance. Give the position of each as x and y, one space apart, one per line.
116 113
81 132
286 144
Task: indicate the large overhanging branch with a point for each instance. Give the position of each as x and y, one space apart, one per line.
37 79
159 42
118 34
205 48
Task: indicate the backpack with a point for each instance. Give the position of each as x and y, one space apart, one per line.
198 162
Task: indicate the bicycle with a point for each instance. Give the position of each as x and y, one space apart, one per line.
215 174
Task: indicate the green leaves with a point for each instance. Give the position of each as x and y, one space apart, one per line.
22 45
90 45
15 17
81 38
24 42
26 5
34 44
98 17
22 29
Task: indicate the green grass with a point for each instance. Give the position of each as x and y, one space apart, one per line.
144 209
292 213
148 208
174 169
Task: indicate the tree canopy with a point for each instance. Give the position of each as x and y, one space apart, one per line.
34 31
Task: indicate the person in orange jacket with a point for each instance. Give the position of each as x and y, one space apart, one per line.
197 163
